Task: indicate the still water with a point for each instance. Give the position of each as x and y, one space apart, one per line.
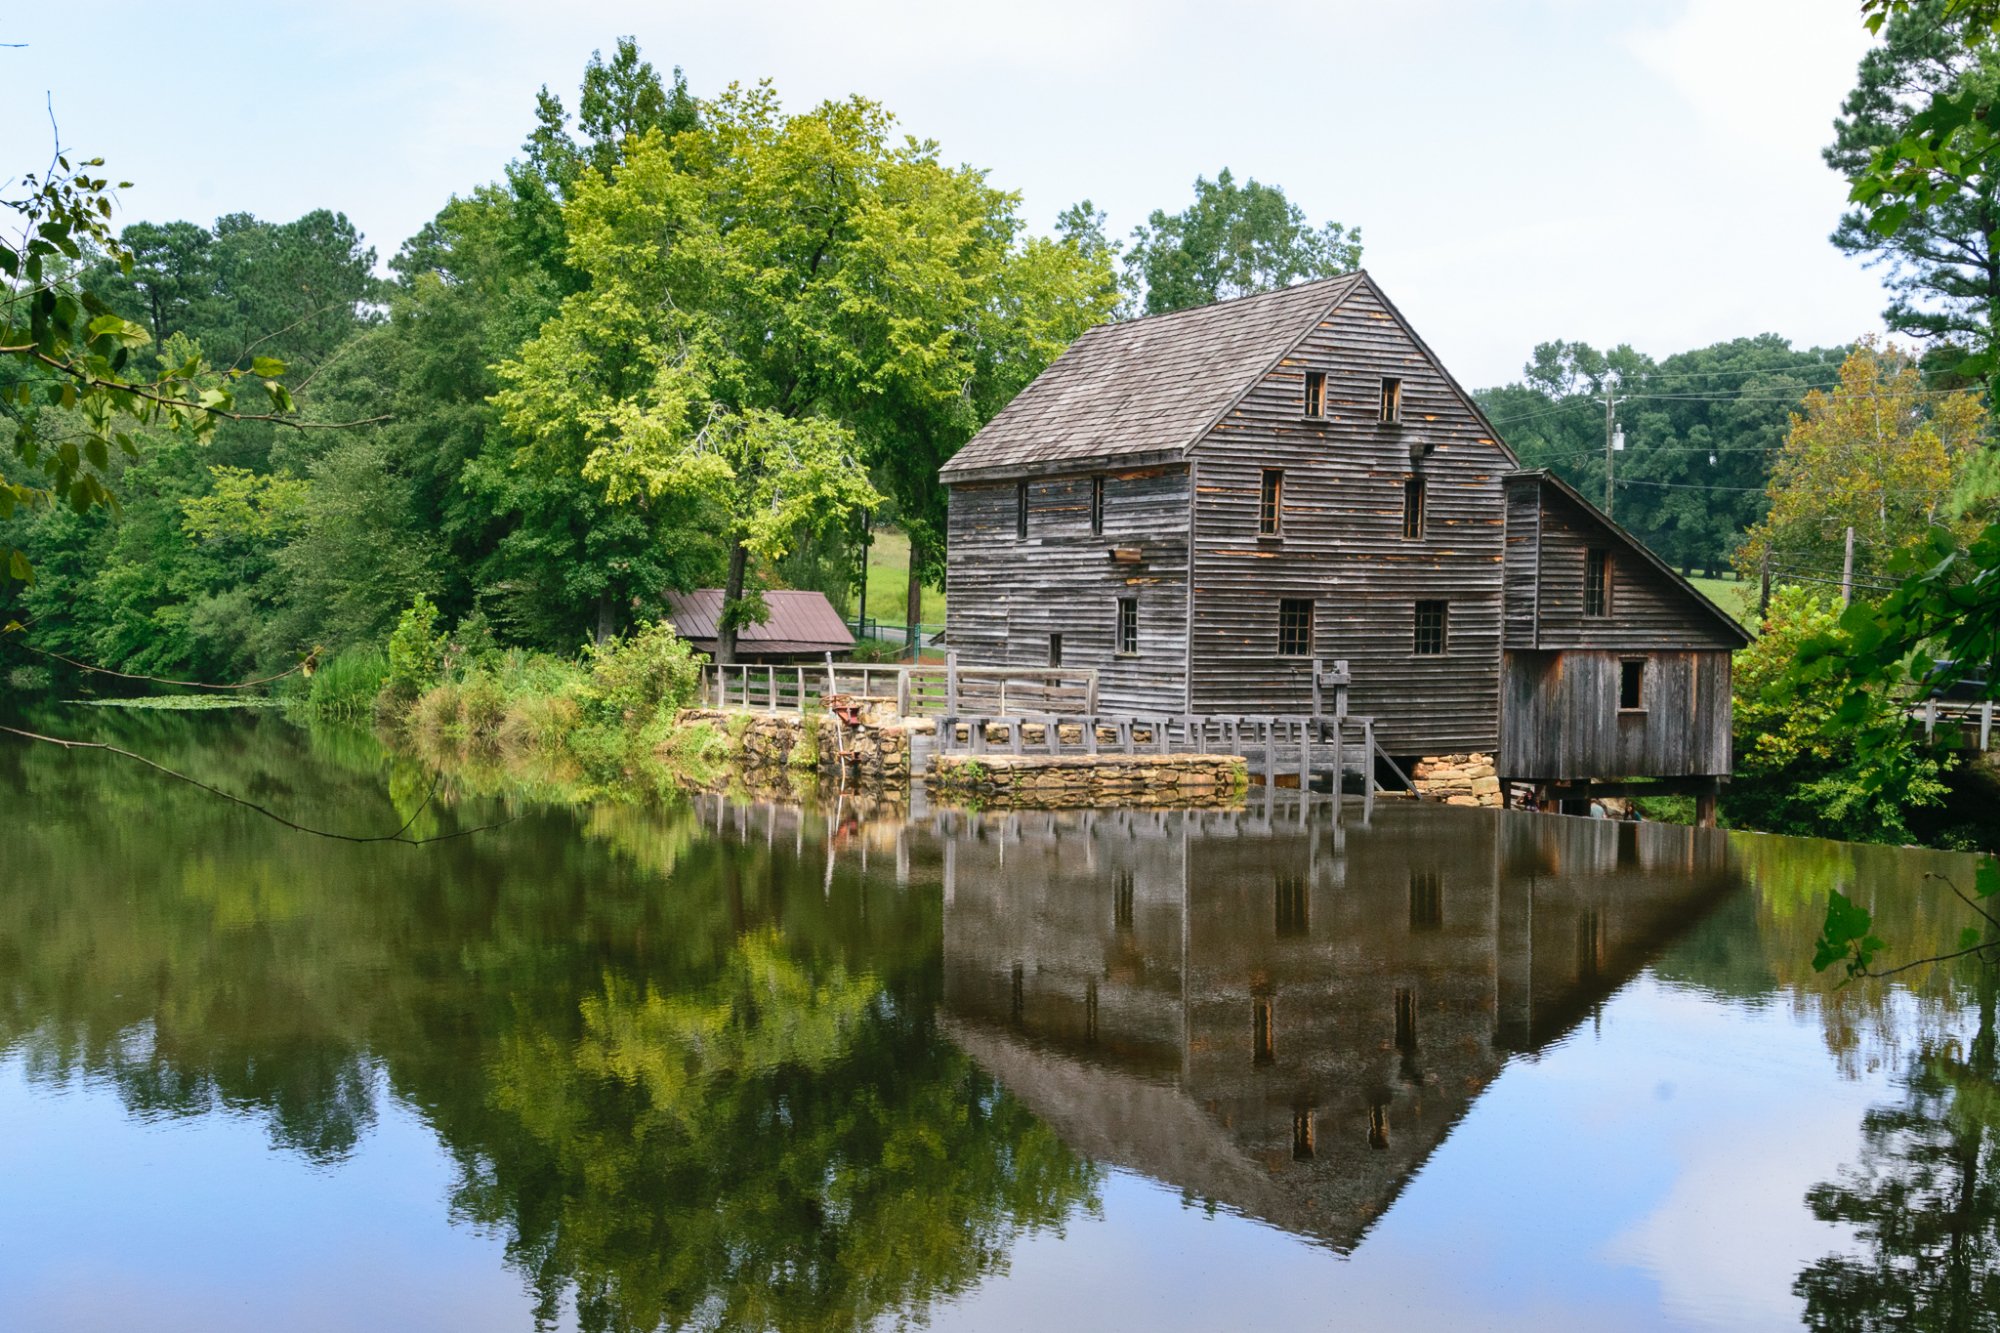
725 1065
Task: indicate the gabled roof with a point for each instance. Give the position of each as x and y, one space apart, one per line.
800 622
1147 387
1728 623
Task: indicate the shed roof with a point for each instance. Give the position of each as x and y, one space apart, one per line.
1148 386
800 622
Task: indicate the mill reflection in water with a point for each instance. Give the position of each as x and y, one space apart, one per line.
1281 1013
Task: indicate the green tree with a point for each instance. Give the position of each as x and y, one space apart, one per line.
1231 241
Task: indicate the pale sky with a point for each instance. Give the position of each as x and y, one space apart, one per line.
1643 172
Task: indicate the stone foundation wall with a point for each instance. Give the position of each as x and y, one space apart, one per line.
877 751
1062 782
1458 779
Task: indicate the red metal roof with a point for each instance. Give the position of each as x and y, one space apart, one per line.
800 622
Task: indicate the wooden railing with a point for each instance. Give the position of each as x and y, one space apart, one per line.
1274 745
927 690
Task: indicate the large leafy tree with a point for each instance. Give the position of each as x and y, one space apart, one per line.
772 301
1231 241
1878 454
1939 258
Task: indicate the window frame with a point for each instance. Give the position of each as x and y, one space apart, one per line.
1055 650
1127 611
1097 506
1443 628
1415 488
1021 511
1597 582
1315 395
1391 409
1632 669
1288 607
1271 502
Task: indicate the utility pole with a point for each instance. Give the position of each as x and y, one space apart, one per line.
1614 439
1847 570
1764 592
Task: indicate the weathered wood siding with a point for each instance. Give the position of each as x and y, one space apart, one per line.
1523 560
1342 541
1006 596
1650 609
1562 720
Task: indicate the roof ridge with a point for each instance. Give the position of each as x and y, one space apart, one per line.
1242 298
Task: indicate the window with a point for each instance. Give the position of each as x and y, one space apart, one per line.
1263 1046
1295 627
1413 509
1055 650
1631 685
1426 900
1128 625
1096 505
1597 582
1302 1134
1430 628
1315 393
1294 912
1021 510
1392 400
1270 502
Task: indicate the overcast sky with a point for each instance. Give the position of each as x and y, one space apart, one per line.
1645 171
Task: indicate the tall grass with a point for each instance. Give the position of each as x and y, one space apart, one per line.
346 685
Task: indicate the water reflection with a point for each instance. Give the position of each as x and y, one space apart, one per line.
1281 1013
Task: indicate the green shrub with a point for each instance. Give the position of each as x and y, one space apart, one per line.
416 650
437 715
635 677
482 707
30 679
346 685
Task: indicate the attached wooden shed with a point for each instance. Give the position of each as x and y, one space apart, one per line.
1614 665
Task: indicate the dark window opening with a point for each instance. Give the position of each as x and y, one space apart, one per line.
1426 900
1302 1134
1128 625
1295 627
1413 509
1294 911
1631 680
1406 1020
1597 583
1430 628
1315 393
1270 502
1055 650
1262 1044
1392 400
1096 505
1021 510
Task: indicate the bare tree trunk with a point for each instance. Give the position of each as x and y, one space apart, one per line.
732 593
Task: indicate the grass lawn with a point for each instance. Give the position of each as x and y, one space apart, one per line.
889 581
1735 596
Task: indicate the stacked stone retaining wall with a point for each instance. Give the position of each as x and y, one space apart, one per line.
1459 779
1063 782
877 750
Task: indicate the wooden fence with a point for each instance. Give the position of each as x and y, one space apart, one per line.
1968 715
928 690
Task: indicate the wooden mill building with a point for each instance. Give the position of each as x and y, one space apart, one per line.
1203 504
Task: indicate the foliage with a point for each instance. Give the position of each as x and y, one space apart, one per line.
1877 453
346 684
1805 764
1701 429
1231 241
416 651
637 677
1925 211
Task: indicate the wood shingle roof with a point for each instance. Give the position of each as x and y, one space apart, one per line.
1146 387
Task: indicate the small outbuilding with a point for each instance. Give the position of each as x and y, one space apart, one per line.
802 626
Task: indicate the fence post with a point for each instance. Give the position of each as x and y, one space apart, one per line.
802 687
1985 724
902 694
1930 718
1315 673
1339 773
832 685
1090 693
1305 758
951 681
771 687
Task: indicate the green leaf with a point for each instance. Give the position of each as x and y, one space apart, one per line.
1846 925
267 367
18 567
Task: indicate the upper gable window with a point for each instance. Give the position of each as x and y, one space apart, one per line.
1270 502
1392 400
1096 505
1597 582
1021 510
1413 509
1315 393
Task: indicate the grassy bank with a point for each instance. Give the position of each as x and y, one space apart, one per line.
889 580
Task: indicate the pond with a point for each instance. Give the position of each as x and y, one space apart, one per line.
719 1064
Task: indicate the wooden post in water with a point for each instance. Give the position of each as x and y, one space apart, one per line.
1339 772
1704 808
